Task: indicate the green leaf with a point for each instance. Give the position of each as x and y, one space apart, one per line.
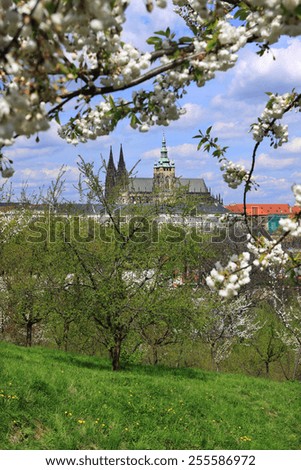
162 33
57 118
211 44
242 14
185 39
112 102
154 40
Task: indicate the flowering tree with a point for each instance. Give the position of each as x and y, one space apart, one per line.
287 306
55 53
225 324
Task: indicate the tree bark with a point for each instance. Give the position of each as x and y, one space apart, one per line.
155 355
28 334
115 352
267 368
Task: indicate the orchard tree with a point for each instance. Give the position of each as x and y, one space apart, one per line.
287 306
24 285
221 324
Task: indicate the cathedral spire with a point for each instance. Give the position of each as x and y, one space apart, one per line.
121 174
164 159
121 163
164 153
111 164
110 175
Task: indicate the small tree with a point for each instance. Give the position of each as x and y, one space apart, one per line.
224 324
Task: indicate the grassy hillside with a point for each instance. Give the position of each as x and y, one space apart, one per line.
53 400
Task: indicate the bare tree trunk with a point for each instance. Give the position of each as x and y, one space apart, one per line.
267 368
65 335
115 352
29 334
297 362
213 361
155 354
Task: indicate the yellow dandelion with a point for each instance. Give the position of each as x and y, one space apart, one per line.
245 438
81 421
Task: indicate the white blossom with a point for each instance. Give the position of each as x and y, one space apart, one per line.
229 279
234 174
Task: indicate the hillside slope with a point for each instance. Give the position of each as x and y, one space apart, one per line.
53 400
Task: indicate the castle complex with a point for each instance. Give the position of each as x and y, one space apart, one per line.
161 187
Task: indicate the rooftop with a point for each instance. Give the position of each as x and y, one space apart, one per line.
264 209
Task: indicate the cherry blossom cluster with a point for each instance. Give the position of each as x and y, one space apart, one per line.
234 174
230 278
267 253
267 124
127 64
297 193
147 109
269 19
56 53
95 122
291 226
21 114
157 107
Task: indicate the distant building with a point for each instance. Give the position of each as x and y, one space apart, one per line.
268 214
163 185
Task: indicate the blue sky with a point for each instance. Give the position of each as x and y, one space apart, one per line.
230 102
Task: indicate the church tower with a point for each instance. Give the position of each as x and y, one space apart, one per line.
164 172
122 177
111 174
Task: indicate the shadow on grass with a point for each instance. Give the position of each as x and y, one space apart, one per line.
38 354
83 362
163 371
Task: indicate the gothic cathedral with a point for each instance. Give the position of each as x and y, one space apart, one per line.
164 183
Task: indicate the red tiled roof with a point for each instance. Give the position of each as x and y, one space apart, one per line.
264 209
296 209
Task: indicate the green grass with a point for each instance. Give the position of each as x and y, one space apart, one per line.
53 400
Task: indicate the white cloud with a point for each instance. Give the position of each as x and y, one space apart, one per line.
184 150
232 117
294 146
47 173
228 129
275 71
174 152
209 176
272 163
270 182
194 114
28 152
